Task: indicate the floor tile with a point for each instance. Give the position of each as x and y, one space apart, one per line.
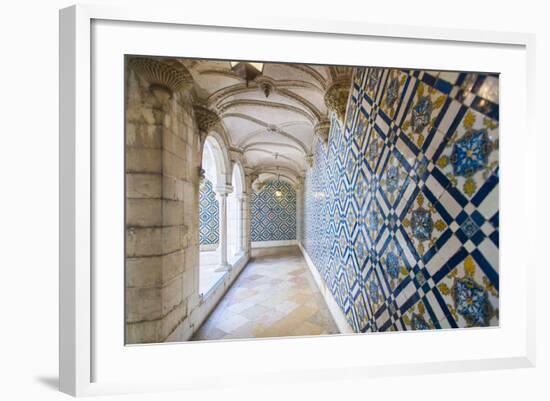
274 296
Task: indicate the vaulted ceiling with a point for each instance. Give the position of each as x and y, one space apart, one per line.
273 119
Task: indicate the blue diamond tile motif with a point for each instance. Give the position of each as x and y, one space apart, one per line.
401 206
469 227
208 214
273 212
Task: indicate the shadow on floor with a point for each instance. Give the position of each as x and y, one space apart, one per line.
51 382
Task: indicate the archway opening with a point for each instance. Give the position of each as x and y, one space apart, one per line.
209 222
235 227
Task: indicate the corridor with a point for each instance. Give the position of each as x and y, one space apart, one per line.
280 199
274 296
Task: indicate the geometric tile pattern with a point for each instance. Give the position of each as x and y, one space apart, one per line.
402 206
273 211
208 214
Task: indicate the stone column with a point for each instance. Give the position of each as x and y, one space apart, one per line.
242 199
161 202
250 177
221 194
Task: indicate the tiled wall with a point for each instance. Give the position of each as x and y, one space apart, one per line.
274 218
208 215
401 211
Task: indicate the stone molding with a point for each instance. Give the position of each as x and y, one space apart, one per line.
251 177
167 74
300 183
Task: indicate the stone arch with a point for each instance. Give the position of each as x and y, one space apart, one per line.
216 144
216 147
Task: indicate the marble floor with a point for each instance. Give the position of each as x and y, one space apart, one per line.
274 296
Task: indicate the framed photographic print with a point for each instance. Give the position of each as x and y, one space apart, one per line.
336 192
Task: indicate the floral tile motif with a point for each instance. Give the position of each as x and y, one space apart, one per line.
394 86
392 179
373 79
393 266
423 222
422 114
472 298
416 318
471 154
401 208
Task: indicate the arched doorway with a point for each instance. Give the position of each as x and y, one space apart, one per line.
214 190
209 226
209 210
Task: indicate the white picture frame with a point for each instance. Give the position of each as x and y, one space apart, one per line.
83 353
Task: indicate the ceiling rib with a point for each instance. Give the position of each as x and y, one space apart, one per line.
289 106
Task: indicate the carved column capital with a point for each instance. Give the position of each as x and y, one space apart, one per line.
258 185
206 118
322 129
223 190
166 74
336 96
251 177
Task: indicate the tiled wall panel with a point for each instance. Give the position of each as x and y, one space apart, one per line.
273 217
402 215
208 215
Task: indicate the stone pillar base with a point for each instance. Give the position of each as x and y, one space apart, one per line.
223 267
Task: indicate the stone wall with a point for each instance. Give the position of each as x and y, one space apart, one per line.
162 250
